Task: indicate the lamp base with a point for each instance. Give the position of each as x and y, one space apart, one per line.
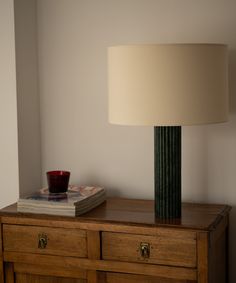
167 143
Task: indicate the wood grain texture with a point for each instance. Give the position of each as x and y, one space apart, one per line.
203 257
92 226
50 270
174 248
104 265
218 229
217 259
93 243
1 271
187 250
1 246
94 252
1 256
92 276
9 272
128 278
130 211
67 242
102 277
24 278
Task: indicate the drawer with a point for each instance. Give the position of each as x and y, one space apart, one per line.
173 248
111 277
45 240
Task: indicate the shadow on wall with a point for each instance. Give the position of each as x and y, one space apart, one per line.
232 244
232 110
232 81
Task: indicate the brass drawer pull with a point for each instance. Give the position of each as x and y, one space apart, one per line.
144 250
43 241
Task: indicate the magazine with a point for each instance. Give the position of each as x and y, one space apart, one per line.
76 201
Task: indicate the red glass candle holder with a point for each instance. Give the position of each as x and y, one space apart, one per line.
58 181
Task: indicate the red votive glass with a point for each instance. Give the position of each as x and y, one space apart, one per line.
58 181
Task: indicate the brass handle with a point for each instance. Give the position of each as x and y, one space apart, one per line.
144 250
43 241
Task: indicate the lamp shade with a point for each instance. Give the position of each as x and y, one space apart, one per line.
168 84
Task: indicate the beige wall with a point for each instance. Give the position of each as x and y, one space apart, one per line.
8 109
27 96
73 37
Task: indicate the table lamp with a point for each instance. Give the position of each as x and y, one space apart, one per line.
168 86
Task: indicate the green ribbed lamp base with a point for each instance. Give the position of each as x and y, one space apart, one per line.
167 145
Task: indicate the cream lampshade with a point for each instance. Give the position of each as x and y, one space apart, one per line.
167 86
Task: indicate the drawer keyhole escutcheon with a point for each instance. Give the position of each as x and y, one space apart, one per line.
144 250
43 241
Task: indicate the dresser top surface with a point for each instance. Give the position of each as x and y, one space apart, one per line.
139 212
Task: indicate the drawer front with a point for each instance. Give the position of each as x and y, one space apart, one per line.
130 278
20 278
45 240
173 248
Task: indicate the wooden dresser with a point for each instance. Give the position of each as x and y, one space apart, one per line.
118 242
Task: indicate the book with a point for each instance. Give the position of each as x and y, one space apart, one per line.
76 201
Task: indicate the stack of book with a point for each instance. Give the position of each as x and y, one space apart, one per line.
76 201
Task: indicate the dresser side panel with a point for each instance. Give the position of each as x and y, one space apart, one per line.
218 253
1 255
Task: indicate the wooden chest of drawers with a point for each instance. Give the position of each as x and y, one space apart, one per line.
118 242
